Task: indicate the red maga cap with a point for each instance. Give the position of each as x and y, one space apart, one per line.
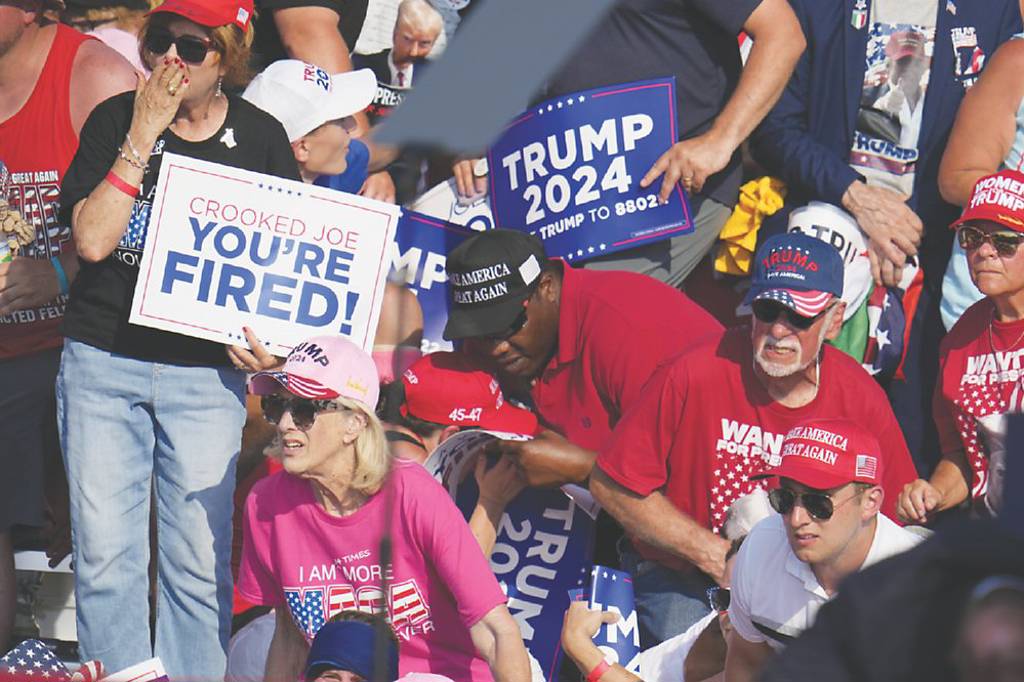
827 453
998 198
210 13
445 388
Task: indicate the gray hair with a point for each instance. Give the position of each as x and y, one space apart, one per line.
419 13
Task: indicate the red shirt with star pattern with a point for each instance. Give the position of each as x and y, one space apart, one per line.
705 424
981 379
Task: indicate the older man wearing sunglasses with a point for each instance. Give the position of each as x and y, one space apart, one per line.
981 377
828 526
710 417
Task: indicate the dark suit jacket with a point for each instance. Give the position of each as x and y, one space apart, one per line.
807 136
379 63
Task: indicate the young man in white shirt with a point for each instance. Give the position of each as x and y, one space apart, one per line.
829 526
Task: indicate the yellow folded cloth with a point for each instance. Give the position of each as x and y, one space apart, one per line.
758 198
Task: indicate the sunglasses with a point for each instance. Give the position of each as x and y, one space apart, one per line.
718 598
1005 242
303 410
768 311
512 330
819 505
191 49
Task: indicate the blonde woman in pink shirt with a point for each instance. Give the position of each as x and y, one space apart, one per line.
313 532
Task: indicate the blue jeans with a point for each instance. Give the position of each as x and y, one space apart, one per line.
668 602
128 428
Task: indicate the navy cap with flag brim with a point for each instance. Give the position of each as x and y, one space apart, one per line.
798 271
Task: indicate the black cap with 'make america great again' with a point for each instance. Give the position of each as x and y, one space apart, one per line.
491 274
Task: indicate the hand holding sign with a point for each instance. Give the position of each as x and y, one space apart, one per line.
499 483
547 460
690 162
256 358
580 626
568 170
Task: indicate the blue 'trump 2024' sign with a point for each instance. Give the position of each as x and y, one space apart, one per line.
569 170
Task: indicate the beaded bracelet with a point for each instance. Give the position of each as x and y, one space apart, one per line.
134 163
131 146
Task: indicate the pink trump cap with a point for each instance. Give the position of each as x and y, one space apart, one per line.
324 368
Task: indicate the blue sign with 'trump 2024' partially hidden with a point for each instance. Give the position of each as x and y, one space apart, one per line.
569 170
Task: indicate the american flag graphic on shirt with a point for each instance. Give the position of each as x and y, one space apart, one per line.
134 236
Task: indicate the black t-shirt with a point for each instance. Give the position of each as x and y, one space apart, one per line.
693 40
101 296
268 48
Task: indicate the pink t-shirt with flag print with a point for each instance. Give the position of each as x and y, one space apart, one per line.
439 584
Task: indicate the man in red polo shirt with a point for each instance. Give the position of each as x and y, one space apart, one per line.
579 343
709 420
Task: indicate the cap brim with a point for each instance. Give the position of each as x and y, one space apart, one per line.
1006 221
192 12
351 92
494 318
818 480
511 420
805 303
267 383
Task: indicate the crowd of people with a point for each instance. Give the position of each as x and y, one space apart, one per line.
751 441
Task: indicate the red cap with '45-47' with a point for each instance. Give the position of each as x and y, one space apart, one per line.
445 388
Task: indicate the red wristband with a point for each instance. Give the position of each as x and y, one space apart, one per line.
599 670
120 184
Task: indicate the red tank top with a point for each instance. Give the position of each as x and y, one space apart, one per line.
37 145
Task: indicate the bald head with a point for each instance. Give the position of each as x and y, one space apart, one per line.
416 30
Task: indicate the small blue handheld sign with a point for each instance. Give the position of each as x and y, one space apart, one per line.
612 590
569 170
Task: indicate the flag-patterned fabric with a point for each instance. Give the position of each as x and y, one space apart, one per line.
32 661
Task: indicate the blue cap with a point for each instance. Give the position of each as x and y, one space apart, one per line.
348 645
798 271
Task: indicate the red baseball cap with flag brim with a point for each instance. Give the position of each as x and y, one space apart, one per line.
997 198
828 453
446 388
324 368
210 13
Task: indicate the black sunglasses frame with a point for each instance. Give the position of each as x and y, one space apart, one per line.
768 311
159 40
1005 242
513 329
819 505
303 410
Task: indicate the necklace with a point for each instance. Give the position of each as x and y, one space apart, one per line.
991 339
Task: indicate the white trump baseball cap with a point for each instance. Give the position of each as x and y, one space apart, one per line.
303 96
